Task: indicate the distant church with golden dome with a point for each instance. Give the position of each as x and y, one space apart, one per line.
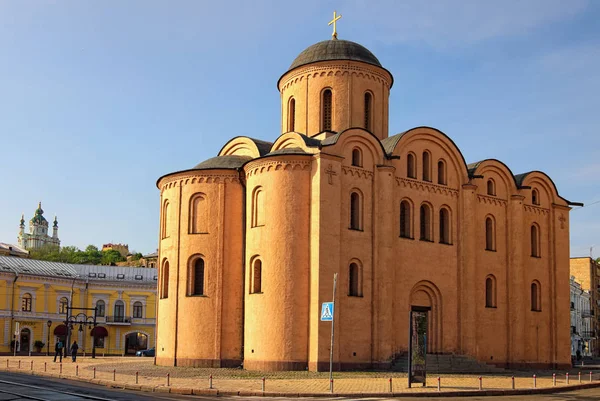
250 240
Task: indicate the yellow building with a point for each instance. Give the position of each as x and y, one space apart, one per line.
35 296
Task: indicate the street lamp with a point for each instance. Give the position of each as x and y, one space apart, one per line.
49 323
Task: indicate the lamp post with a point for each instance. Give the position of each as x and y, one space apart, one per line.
48 323
83 319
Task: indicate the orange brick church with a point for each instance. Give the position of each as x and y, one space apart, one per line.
250 239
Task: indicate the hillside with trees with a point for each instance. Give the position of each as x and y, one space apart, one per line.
71 254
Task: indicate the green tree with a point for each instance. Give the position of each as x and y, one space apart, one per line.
111 257
136 256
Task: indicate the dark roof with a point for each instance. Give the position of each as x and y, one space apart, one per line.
335 50
263 146
223 162
389 143
288 151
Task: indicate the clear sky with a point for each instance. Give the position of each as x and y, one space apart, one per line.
100 98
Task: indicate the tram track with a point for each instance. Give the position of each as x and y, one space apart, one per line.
31 392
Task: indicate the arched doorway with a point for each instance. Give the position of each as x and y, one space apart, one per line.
135 341
426 294
25 340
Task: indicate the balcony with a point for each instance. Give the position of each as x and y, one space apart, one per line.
587 313
118 320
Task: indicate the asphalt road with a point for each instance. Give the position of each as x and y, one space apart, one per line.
17 387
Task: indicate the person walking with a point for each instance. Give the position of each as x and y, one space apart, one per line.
58 350
74 348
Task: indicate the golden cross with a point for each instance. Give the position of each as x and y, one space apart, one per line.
335 18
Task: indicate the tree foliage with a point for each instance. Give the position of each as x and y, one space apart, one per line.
72 254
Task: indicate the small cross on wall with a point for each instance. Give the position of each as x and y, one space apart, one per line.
562 220
330 172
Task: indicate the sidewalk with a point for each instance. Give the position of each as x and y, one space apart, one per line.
120 372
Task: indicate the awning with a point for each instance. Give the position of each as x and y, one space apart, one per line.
99 331
60 330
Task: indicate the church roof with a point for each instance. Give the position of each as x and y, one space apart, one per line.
223 162
38 216
335 50
288 151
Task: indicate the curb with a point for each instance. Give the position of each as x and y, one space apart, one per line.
215 392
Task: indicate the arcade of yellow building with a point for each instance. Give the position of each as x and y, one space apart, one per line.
35 297
250 240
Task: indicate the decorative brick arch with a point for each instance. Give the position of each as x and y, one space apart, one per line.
425 293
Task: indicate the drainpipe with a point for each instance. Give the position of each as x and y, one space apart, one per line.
12 309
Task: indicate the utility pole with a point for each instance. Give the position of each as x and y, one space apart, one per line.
332 332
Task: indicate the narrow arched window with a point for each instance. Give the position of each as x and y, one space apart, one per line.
444 226
441 172
258 207
355 211
165 220
491 187
198 214
138 310
326 110
425 214
164 288
196 278
26 302
411 166
536 304
535 197
63 305
354 280
256 276
405 221
356 157
490 235
100 308
490 292
535 241
292 114
368 106
426 167
119 311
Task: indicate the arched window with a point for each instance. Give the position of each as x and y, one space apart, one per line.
256 277
425 215
119 311
326 110
100 308
258 207
196 277
444 226
26 302
490 234
164 289
292 114
442 172
426 166
490 291
491 187
535 197
411 171
535 241
536 299
165 220
405 220
368 111
138 310
354 280
356 157
355 211
198 214
63 303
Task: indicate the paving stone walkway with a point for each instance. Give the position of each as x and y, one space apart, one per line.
122 371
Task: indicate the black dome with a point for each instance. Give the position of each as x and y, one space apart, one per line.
335 50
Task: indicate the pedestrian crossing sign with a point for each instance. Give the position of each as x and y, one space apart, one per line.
327 312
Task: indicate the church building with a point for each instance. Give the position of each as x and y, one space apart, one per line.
250 239
38 235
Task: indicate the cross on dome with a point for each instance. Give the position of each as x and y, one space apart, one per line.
333 21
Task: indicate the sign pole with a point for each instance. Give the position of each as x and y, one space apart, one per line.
332 331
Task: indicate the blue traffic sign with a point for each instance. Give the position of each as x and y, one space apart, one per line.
327 312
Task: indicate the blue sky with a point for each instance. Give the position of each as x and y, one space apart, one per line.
99 99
